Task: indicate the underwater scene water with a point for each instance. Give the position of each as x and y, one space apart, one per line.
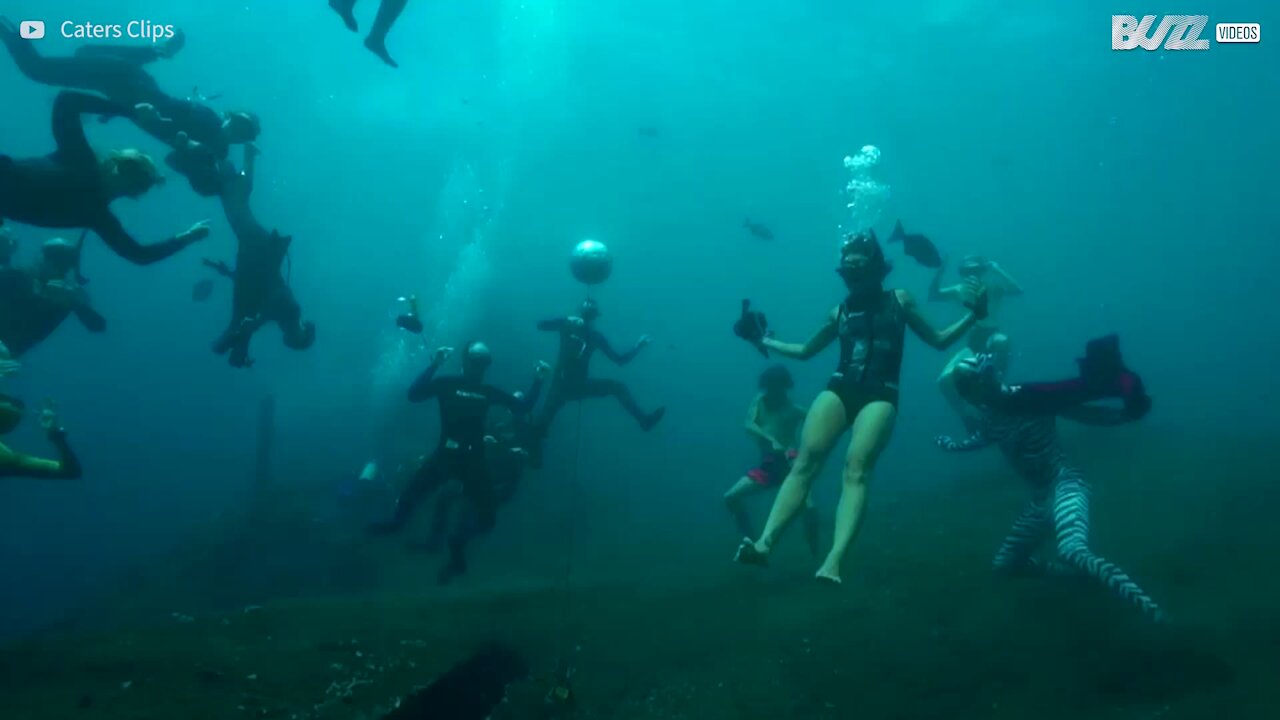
994 437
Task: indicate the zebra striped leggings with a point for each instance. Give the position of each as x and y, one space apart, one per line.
1065 505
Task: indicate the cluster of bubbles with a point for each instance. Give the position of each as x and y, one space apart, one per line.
867 196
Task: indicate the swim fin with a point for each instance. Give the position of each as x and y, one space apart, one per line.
752 327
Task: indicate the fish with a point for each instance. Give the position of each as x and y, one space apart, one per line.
470 690
757 229
917 246
202 290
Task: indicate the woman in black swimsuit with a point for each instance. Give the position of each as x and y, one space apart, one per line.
871 326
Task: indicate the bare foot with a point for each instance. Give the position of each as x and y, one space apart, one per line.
346 11
379 47
827 577
749 554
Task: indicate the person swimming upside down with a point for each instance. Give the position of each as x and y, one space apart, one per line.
261 294
71 188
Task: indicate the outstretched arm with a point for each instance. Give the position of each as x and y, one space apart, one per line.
108 228
219 267
976 441
68 128
66 467
1011 286
934 338
615 356
90 318
814 345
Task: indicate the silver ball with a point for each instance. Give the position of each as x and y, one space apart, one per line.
590 262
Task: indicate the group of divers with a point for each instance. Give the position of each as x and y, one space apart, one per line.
490 437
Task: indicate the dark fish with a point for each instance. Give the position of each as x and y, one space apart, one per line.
752 327
648 131
761 231
469 691
202 290
917 247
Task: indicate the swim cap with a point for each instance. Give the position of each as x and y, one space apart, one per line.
478 354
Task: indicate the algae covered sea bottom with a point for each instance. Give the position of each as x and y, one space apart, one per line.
922 631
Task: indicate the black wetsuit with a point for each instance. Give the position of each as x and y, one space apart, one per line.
65 189
507 460
119 72
872 334
577 344
261 293
27 318
460 453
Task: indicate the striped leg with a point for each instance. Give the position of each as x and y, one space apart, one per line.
1071 519
1014 555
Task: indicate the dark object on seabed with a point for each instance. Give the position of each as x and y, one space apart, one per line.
756 229
469 691
752 327
917 246
202 290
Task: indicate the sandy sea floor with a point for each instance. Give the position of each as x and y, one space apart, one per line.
920 630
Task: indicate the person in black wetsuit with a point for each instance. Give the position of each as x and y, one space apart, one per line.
465 401
16 464
200 136
261 292
870 325
578 341
35 302
71 188
509 434
388 12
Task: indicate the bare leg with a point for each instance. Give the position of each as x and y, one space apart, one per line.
346 11
824 424
871 432
734 502
605 388
388 12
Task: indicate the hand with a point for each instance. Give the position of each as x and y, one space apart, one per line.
644 340
974 295
440 355
196 232
576 322
542 370
49 422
